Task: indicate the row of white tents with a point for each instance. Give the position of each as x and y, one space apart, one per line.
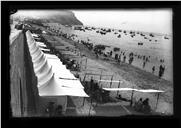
54 79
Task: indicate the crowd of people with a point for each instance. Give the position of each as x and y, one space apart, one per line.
122 56
143 105
145 59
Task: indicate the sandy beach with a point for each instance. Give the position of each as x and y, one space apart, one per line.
130 75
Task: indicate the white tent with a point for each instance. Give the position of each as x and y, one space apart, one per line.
44 49
34 35
36 56
59 88
41 44
60 69
37 62
53 77
50 56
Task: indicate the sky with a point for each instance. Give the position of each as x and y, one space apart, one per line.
158 21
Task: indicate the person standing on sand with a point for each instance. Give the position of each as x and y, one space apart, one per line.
144 57
110 53
97 56
161 71
119 58
124 59
153 69
130 59
144 63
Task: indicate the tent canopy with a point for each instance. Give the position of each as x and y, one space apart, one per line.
49 69
60 88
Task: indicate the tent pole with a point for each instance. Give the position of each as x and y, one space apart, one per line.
111 80
80 63
100 76
118 87
86 64
83 101
90 106
157 100
132 98
84 77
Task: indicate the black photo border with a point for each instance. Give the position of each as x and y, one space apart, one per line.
11 7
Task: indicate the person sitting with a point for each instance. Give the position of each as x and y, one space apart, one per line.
119 97
50 108
146 106
147 109
139 104
122 98
59 110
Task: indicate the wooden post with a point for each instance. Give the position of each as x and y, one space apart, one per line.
84 77
83 101
111 81
132 98
86 64
100 76
118 87
90 106
81 63
157 101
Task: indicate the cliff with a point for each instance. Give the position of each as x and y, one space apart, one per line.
63 17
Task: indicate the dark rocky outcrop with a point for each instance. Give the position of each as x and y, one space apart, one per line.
63 17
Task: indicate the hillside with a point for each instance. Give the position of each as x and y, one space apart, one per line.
63 17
